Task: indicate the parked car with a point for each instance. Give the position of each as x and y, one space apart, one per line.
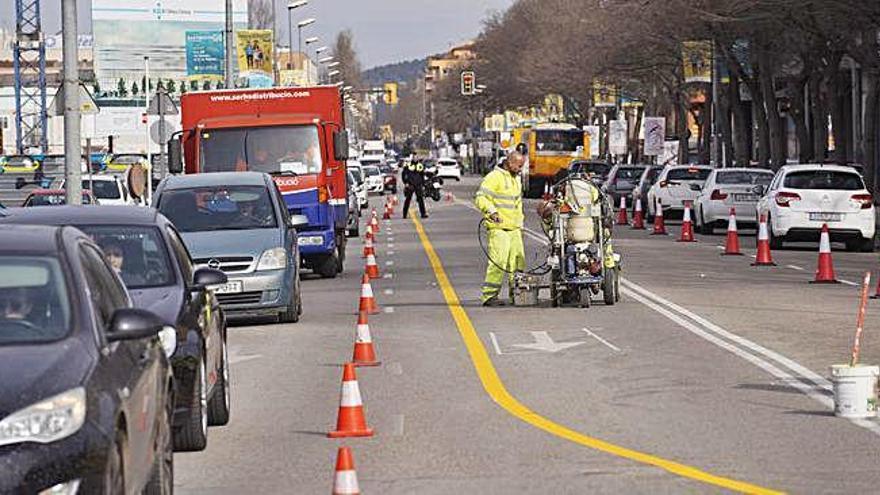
374 179
147 252
238 222
728 188
107 189
353 223
599 169
54 197
389 177
644 183
802 198
448 168
70 343
360 188
673 187
621 181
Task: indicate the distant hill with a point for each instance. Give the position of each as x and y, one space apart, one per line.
401 71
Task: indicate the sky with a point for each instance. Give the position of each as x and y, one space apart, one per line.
385 31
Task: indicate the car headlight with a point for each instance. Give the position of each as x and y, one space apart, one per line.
46 421
272 259
168 339
311 240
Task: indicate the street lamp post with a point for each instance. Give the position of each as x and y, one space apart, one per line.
309 41
290 8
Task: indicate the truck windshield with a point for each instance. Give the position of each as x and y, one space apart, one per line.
559 141
281 150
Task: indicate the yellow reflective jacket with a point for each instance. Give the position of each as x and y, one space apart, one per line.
501 193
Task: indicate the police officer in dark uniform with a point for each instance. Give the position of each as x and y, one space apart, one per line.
414 182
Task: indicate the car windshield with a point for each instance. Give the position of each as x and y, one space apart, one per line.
386 169
743 177
823 179
371 171
52 199
629 173
370 163
275 150
598 168
206 209
697 174
34 306
448 163
356 173
558 141
102 189
651 176
128 159
137 254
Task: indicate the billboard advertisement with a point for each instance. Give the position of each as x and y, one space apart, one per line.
255 50
204 55
697 59
604 94
128 31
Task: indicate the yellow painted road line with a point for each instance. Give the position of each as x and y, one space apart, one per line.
495 388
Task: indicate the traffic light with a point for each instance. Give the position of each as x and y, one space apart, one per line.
391 93
468 83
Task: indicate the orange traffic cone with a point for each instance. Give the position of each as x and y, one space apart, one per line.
877 291
368 301
374 222
659 226
345 481
364 354
687 226
763 258
350 421
621 212
387 214
372 269
638 216
547 196
368 246
825 268
731 248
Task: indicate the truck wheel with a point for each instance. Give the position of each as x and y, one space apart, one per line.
329 266
340 253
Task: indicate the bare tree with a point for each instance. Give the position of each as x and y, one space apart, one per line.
261 14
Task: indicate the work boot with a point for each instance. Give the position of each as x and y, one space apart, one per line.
425 215
493 303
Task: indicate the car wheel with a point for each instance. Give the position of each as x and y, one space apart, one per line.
328 267
161 480
291 312
219 405
705 228
114 471
775 242
860 245
193 435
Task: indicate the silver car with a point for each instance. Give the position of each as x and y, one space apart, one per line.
237 222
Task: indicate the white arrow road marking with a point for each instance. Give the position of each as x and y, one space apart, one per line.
600 339
389 292
389 263
388 275
543 342
495 344
389 309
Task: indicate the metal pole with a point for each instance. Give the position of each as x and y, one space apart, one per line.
72 145
160 94
146 93
289 38
229 84
714 143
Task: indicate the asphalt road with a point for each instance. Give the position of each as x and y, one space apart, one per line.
710 375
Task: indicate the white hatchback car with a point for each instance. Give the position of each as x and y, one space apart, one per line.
728 188
107 189
374 179
676 185
448 168
801 198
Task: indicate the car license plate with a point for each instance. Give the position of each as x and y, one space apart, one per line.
745 198
825 217
231 287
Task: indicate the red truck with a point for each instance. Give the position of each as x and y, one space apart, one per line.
297 135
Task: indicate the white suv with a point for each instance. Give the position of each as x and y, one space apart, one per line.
676 185
801 198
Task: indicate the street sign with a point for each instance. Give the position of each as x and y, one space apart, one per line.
468 83
390 97
167 105
617 137
155 131
87 104
655 135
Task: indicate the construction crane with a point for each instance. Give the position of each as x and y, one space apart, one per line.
29 61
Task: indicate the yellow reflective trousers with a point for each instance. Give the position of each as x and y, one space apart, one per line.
506 254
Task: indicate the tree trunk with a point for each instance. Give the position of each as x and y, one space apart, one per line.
763 131
798 114
771 110
819 119
872 116
681 128
838 118
742 128
706 130
722 122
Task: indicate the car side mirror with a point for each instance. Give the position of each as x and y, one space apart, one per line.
175 157
205 277
133 324
696 187
297 221
340 145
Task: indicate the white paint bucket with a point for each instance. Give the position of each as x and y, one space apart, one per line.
855 390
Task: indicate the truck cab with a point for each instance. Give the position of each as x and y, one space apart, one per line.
296 135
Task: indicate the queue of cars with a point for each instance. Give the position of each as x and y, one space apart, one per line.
125 310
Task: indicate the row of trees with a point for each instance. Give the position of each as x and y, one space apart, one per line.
786 59
126 88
